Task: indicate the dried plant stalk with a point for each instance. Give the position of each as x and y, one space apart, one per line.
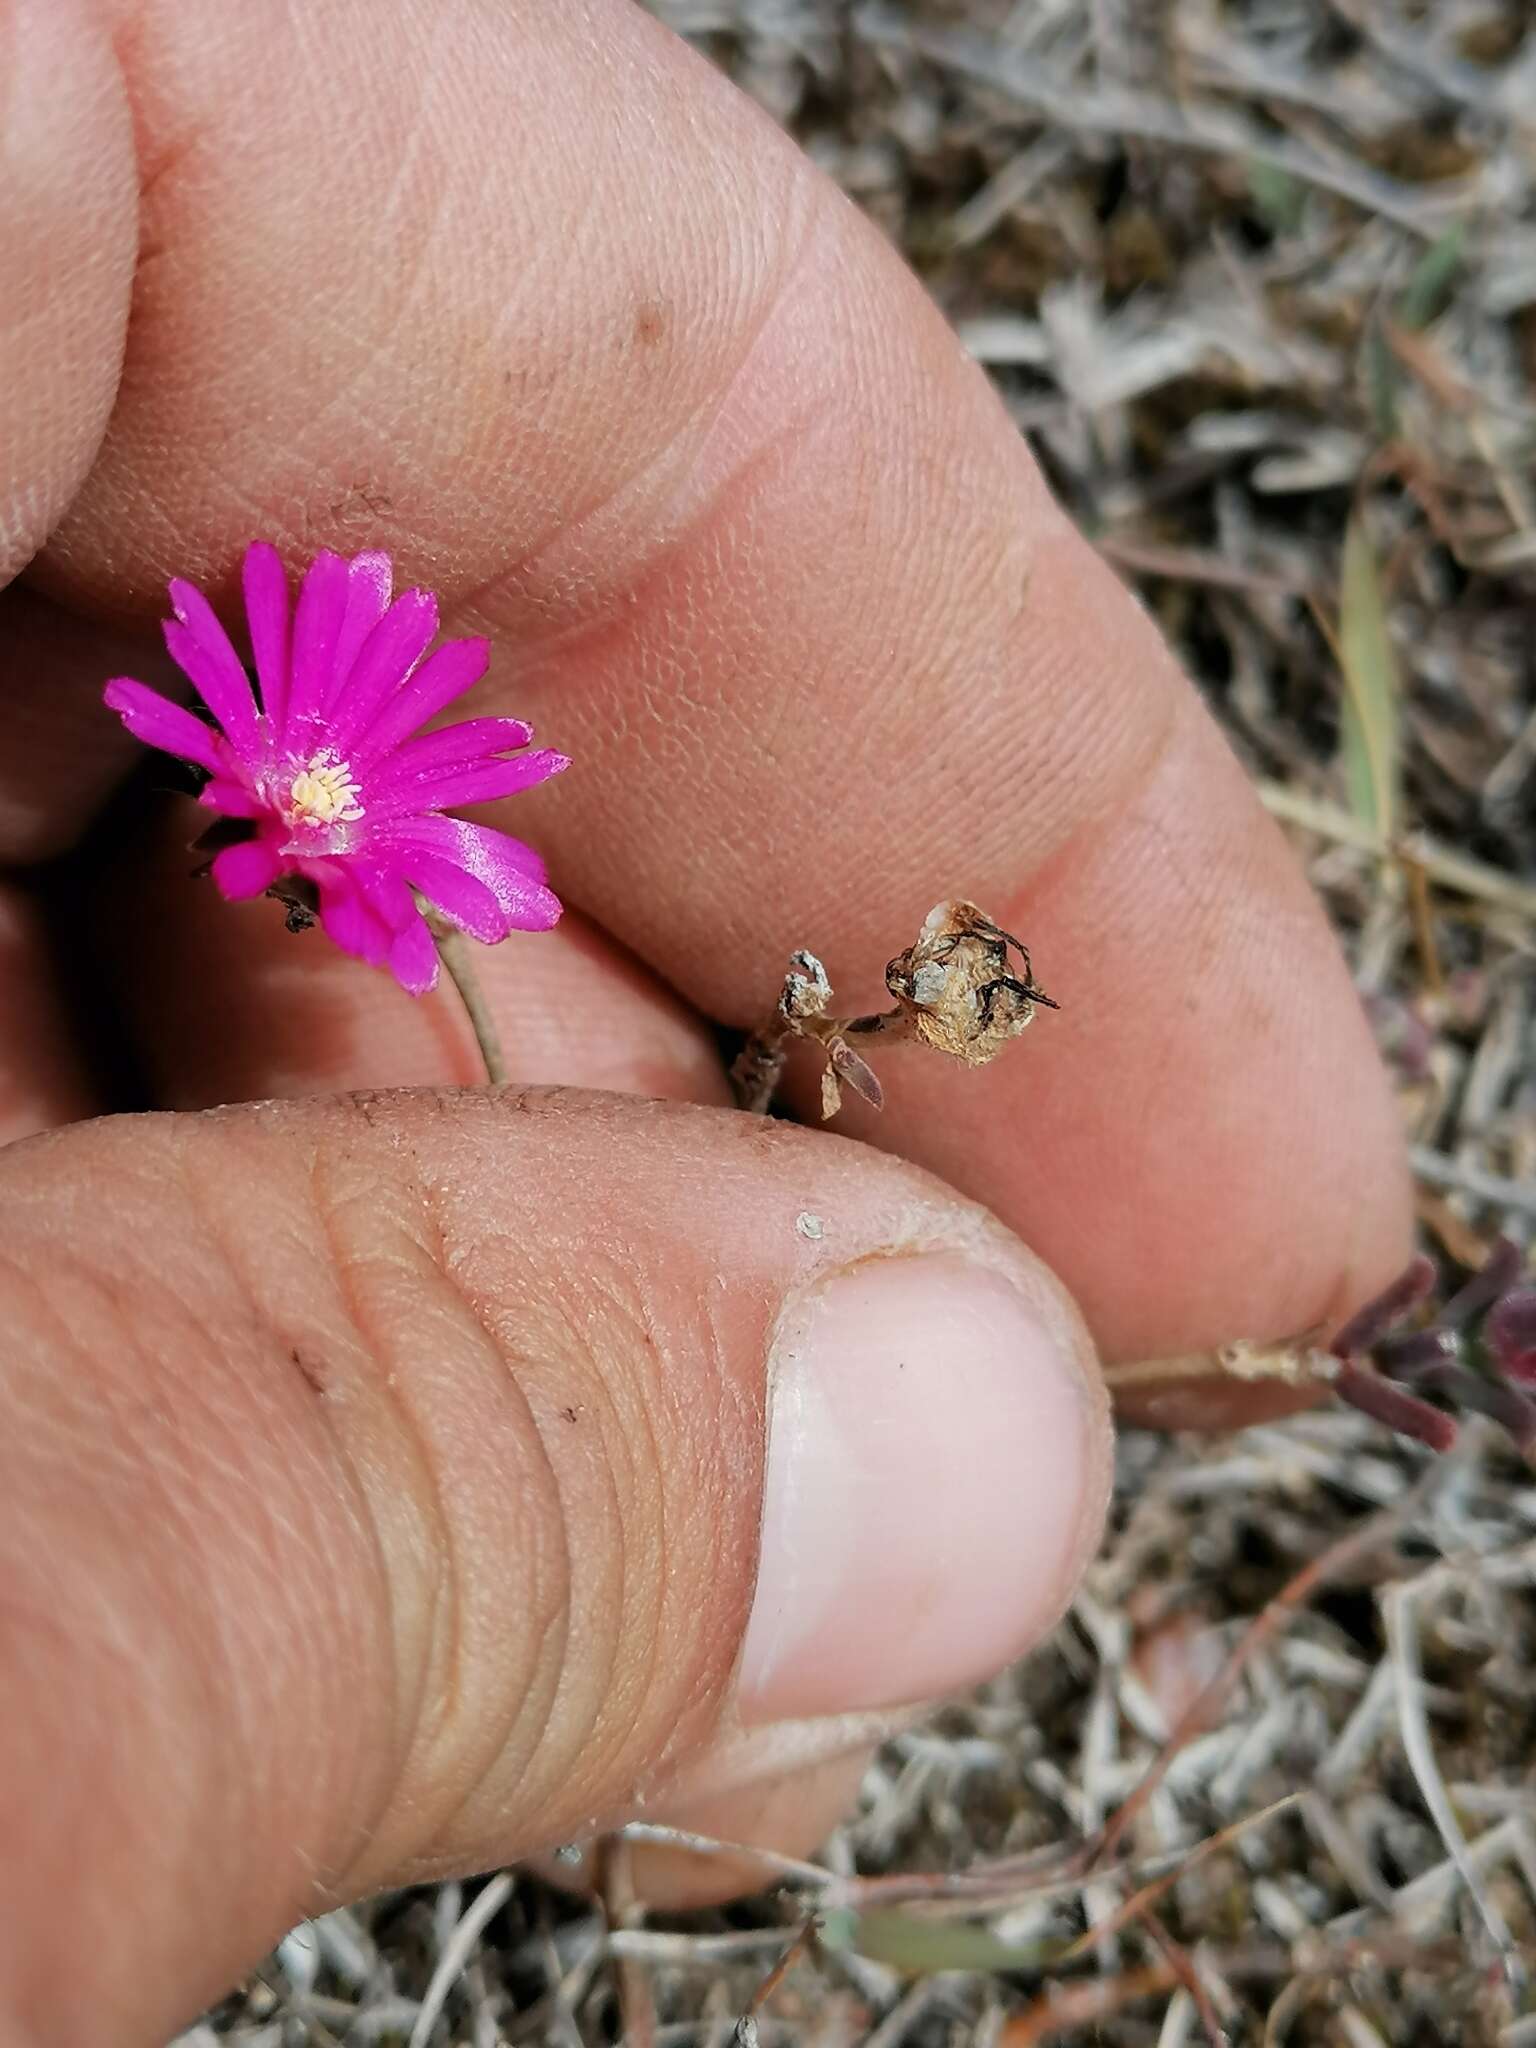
964 987
1472 1355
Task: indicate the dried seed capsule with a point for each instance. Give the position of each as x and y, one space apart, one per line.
959 986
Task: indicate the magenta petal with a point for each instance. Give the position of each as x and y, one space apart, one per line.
461 898
413 958
454 746
481 783
233 799
159 723
248 869
200 646
266 613
393 648
410 955
468 846
316 633
446 674
370 578
346 917
369 911
512 872
388 894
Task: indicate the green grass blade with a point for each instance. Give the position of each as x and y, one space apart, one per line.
1427 291
1279 199
1369 729
920 1947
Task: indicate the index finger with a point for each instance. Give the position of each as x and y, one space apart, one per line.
578 335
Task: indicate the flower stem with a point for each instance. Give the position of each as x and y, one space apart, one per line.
759 1066
453 951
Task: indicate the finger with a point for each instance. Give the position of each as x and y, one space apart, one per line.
762 552
68 215
1208 1101
223 1004
450 1474
58 756
68 202
40 1085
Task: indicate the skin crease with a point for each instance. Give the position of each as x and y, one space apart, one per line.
757 546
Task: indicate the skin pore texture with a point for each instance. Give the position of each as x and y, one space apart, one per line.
307 1581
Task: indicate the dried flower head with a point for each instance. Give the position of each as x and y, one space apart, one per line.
958 986
338 796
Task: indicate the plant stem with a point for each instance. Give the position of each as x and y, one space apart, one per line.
759 1066
453 951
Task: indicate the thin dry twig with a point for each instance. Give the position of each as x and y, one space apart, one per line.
1068 2006
622 1909
1453 871
457 1951
1194 565
1186 1970
692 1843
1083 2002
804 1936
1403 1640
1149 1894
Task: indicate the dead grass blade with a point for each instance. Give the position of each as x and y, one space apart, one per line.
1149 1894
1206 1708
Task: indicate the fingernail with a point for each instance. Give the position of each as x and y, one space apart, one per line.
932 1462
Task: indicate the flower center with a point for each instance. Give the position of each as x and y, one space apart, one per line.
324 793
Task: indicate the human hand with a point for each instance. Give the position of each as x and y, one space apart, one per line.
389 1480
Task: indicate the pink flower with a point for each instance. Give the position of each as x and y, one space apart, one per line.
325 767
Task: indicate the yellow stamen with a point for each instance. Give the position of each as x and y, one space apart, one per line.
325 794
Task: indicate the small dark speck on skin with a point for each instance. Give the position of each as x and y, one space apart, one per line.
650 323
569 1414
360 501
313 1377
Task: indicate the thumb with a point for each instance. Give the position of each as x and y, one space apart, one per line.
404 1484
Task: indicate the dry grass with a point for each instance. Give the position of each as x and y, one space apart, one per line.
1252 276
